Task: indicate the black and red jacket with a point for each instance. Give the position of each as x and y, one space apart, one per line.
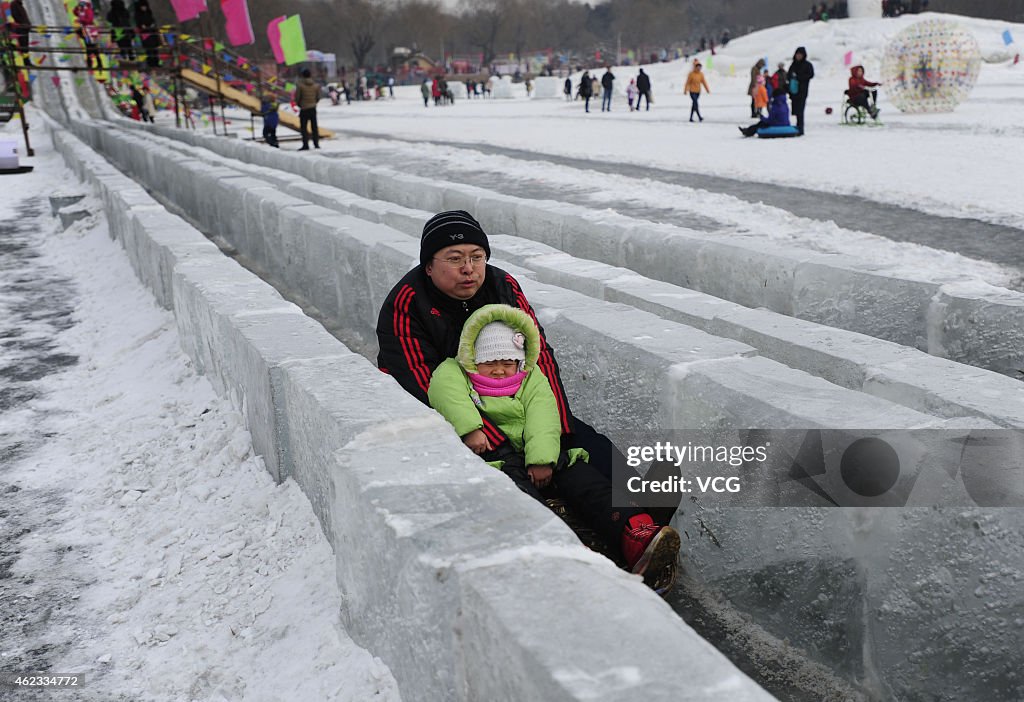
419 327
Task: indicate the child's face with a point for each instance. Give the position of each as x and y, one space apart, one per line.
498 369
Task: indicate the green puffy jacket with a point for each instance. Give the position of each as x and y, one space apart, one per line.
529 418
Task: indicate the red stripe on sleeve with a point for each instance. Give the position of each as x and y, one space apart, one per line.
492 433
545 360
401 330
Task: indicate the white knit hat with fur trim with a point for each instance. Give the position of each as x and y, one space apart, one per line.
499 342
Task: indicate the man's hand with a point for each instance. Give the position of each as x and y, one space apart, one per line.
540 476
477 442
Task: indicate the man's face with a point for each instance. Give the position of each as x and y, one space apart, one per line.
453 271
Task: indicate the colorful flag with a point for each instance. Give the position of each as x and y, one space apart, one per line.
847 58
274 37
293 41
1007 37
188 9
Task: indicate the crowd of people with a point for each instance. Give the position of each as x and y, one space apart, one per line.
823 12
895 8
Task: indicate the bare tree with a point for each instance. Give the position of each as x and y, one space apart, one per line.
363 22
524 18
482 21
419 24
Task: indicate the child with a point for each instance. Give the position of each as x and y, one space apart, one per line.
496 377
858 91
760 97
88 32
632 92
268 110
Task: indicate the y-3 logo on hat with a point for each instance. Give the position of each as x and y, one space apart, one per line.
457 235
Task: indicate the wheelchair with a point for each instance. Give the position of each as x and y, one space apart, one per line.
859 115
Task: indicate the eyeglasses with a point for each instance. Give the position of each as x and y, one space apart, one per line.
476 260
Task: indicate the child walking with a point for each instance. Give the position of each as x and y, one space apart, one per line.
496 376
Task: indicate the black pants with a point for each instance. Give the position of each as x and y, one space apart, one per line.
270 133
643 94
799 103
307 118
586 491
125 39
610 463
151 45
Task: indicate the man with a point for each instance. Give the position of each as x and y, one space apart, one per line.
421 321
643 87
607 81
307 94
801 71
586 90
20 26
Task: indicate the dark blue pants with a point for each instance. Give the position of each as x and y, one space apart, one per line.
695 107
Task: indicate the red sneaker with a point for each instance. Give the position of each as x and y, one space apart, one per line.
651 551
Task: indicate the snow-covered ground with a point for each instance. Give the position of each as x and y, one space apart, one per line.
968 163
143 544
146 547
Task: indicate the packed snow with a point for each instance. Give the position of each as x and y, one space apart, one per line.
968 163
145 547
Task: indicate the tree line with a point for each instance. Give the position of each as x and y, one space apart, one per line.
363 33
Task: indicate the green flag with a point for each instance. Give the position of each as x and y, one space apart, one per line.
293 42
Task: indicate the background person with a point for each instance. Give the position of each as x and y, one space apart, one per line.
307 95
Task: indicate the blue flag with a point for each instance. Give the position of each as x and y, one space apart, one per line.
1007 37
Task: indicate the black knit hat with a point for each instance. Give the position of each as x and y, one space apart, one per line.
449 229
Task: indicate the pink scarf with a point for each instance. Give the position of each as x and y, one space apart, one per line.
497 387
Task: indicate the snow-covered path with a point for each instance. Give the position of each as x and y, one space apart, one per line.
142 544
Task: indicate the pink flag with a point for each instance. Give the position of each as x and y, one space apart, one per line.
239 26
274 36
188 9
848 58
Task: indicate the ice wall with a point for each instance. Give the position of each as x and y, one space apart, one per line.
466 587
767 561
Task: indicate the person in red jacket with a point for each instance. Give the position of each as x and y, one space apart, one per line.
858 91
88 31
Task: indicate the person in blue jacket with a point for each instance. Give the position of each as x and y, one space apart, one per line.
778 116
268 110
